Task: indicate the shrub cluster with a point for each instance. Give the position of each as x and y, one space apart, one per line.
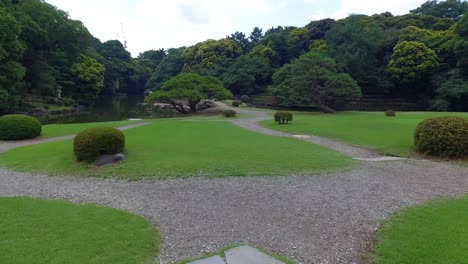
230 113
245 99
90 144
18 127
390 113
236 103
283 117
443 137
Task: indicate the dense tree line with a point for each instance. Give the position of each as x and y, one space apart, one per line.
421 56
44 53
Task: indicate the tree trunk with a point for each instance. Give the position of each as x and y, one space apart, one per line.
193 105
318 100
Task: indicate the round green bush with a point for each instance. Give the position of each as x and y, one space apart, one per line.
236 103
443 137
245 99
90 144
390 113
18 127
283 117
230 113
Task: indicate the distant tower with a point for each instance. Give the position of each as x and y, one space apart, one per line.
123 36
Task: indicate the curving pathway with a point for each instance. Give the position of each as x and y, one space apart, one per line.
327 218
5 146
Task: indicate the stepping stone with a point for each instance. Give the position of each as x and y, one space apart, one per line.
212 260
301 136
249 255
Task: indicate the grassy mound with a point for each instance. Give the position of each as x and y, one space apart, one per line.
177 148
38 231
435 233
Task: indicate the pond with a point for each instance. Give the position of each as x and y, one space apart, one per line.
108 109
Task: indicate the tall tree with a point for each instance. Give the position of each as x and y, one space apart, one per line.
311 80
412 62
354 43
452 9
256 36
206 53
169 67
241 40
248 74
11 71
89 79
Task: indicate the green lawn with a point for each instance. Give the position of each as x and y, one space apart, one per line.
177 148
71 129
53 232
390 135
435 233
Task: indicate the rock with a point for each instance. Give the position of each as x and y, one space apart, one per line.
206 104
249 255
212 260
109 159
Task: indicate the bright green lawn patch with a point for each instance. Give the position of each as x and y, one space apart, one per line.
49 232
176 148
390 135
435 233
71 129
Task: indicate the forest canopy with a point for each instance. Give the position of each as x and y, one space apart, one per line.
421 56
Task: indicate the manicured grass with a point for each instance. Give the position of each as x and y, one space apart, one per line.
177 148
53 232
390 135
71 129
435 233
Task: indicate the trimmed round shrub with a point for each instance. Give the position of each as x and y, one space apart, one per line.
390 113
283 117
245 99
230 113
443 137
236 103
18 127
90 144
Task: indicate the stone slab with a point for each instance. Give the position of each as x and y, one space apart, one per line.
212 260
249 255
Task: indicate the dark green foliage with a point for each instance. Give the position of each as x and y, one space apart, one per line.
452 9
245 99
390 113
236 103
90 144
169 67
443 137
19 127
283 117
186 90
354 43
311 80
248 75
229 113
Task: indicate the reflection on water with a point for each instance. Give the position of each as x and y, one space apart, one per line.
105 109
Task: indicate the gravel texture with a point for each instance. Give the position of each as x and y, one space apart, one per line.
326 218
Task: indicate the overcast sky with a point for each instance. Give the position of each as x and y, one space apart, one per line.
154 24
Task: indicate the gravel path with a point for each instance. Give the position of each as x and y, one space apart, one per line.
327 218
318 219
5 146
